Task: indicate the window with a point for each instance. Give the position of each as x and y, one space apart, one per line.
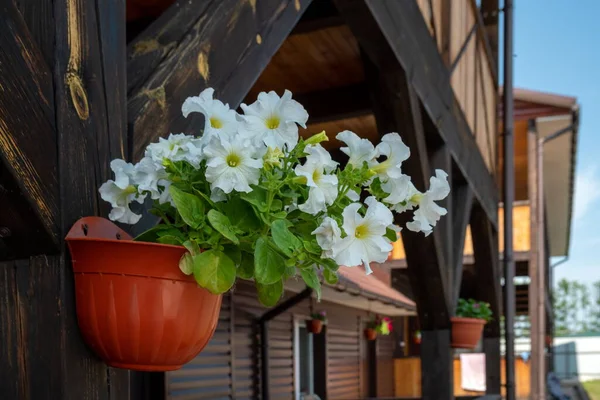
304 362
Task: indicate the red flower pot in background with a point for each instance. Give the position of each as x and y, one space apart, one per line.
370 334
314 326
466 332
135 308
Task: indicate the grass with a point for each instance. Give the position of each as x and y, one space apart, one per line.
593 389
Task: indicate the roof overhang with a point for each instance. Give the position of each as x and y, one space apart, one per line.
357 290
559 157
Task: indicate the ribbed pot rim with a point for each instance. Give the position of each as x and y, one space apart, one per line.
466 320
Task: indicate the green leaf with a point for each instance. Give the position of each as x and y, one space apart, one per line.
257 197
329 264
312 280
283 238
192 247
246 267
223 225
170 239
312 247
331 277
214 271
269 265
186 264
391 234
189 207
232 251
151 235
241 214
276 205
290 271
269 295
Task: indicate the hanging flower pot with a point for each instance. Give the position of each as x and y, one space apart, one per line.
417 337
467 326
370 334
135 308
315 324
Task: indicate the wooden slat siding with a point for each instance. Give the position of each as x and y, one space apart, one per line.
208 376
29 193
385 366
344 358
402 24
216 52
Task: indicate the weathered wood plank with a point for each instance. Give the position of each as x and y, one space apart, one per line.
90 94
388 29
436 365
227 49
28 176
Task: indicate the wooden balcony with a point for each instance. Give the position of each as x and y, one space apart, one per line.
458 30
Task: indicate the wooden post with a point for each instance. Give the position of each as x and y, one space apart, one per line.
536 266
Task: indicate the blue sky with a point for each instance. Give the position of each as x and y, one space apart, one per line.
557 50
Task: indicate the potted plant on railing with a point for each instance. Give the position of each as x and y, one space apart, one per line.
315 324
248 199
467 326
378 325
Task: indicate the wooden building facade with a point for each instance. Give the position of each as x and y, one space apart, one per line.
86 81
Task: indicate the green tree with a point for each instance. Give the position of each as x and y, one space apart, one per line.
594 315
562 294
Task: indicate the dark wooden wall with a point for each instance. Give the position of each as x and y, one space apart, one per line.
229 366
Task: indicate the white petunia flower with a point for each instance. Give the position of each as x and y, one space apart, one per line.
231 165
359 150
403 195
148 175
323 185
364 241
180 147
396 152
327 234
272 120
429 213
120 192
219 119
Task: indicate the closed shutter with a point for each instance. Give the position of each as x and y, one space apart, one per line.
385 366
208 376
344 361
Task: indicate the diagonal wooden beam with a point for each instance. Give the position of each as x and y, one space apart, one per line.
226 48
388 29
396 109
461 213
29 192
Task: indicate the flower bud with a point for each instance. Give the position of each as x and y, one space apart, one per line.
317 138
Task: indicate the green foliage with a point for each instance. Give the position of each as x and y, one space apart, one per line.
251 235
474 309
576 308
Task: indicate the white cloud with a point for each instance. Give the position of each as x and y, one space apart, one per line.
587 190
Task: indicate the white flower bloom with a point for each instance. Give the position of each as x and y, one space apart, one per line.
219 119
352 195
148 175
403 195
180 147
327 234
396 152
364 241
230 165
120 192
272 120
359 150
429 213
323 186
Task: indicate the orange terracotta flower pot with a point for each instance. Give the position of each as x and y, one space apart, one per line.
370 334
135 308
466 332
314 326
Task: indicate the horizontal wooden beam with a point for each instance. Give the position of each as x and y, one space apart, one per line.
337 103
395 30
29 191
226 47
